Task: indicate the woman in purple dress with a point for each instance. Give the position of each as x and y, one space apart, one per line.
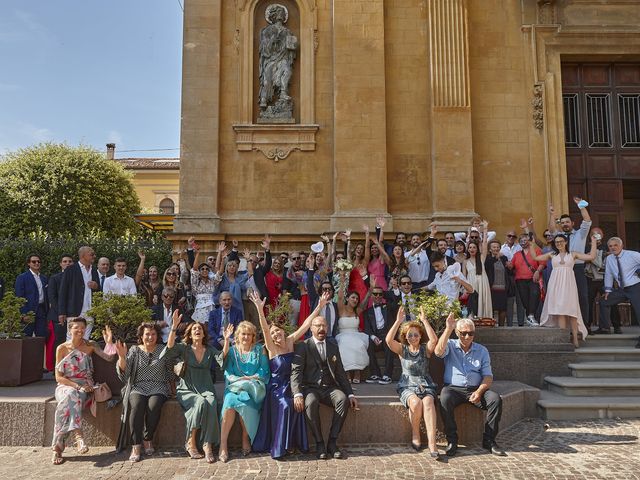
281 428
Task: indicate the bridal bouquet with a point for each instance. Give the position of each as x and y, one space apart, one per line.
343 265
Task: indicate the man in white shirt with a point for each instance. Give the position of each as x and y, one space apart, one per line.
104 265
119 283
509 248
448 280
418 262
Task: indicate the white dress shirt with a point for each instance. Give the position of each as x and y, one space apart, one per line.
119 286
36 277
508 251
86 300
419 266
445 284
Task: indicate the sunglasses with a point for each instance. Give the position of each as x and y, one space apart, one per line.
204 269
511 236
295 258
167 296
466 334
35 261
405 283
413 335
548 235
171 274
377 294
327 289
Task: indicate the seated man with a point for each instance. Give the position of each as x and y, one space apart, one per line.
318 376
220 318
467 378
376 324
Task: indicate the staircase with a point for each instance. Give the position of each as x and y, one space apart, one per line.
604 381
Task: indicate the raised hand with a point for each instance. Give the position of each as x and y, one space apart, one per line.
107 334
246 254
221 247
141 254
121 348
257 301
400 315
228 332
433 227
523 223
577 200
325 238
423 315
552 210
176 319
365 228
324 299
380 222
266 242
530 221
235 244
347 233
191 241
451 321
335 235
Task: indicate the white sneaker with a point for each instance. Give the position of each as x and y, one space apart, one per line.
531 321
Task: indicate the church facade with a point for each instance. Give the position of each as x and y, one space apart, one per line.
307 116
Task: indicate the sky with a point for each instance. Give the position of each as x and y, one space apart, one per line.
91 72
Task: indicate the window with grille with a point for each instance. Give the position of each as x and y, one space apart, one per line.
167 206
598 109
571 120
629 111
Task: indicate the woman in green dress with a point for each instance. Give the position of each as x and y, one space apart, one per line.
195 391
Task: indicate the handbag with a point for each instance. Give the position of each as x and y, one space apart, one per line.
101 392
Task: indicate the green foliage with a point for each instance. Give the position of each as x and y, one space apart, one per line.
13 252
280 315
54 189
436 306
11 324
123 313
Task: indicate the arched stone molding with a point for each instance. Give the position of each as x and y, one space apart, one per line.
277 136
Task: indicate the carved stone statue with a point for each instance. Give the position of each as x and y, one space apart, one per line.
277 50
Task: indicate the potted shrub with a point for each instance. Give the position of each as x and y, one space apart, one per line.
123 313
21 357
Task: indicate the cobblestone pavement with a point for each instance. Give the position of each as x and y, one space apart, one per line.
602 449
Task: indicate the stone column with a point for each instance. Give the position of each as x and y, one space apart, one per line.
452 154
360 151
200 127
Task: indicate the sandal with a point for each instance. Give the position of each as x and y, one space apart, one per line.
57 458
80 444
193 452
208 453
223 457
148 448
135 454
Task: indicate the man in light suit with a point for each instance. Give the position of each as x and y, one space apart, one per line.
376 325
32 286
318 376
59 329
79 281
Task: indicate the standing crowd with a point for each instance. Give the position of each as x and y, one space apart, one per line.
345 304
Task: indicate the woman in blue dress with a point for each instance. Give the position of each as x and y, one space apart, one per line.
281 428
416 388
246 372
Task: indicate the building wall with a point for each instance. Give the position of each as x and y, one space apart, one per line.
392 139
152 186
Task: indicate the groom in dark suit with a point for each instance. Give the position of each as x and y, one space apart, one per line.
318 376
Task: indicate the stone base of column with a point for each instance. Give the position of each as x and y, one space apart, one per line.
195 224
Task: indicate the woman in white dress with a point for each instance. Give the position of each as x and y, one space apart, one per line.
476 275
353 344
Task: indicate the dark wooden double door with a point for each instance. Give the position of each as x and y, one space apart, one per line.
602 139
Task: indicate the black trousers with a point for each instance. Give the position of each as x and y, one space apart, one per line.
583 290
595 287
529 293
389 356
452 396
630 294
59 333
144 415
332 397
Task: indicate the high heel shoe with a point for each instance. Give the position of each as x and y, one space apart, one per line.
416 446
208 453
193 452
81 445
135 454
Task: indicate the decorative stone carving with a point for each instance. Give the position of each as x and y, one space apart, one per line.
277 52
538 107
276 142
547 12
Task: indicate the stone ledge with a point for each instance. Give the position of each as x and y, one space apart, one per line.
276 142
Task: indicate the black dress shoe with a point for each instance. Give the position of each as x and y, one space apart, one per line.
333 450
617 330
321 453
451 449
638 344
601 331
494 449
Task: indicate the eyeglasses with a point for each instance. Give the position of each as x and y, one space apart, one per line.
167 296
171 274
327 289
413 335
376 294
204 269
466 334
295 258
511 236
35 261
405 283
550 235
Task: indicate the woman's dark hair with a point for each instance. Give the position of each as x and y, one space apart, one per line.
151 326
402 264
460 242
553 244
204 264
187 334
353 292
478 258
78 320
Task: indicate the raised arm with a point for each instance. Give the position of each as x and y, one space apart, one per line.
380 226
121 349
394 345
175 322
484 246
259 303
332 252
347 239
109 353
538 258
246 254
266 245
341 288
383 253
433 338
367 245
588 257
219 265
441 346
583 211
416 250
553 220
302 329
227 339
140 271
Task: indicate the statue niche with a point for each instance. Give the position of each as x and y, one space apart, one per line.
277 51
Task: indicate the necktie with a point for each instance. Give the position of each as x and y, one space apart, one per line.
620 276
101 282
323 356
327 315
225 320
569 241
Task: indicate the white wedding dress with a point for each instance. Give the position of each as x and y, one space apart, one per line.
352 343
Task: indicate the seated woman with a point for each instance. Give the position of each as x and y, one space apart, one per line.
416 388
281 428
246 373
146 373
74 374
352 342
195 391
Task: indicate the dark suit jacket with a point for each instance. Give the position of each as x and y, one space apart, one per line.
72 290
216 339
53 293
370 327
26 287
259 273
313 303
306 368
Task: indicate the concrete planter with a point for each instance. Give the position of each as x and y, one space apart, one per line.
22 360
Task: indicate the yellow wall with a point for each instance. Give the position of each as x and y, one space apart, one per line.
154 185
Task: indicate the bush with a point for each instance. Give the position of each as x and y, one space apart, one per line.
14 251
11 325
123 313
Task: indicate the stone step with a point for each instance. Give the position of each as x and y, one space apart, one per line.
605 369
529 347
608 354
581 387
612 340
521 335
559 407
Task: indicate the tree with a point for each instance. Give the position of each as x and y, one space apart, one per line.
55 189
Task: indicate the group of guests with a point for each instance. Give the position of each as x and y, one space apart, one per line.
273 389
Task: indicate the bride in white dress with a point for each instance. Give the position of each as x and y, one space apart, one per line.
353 344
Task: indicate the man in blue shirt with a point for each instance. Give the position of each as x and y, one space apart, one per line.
623 267
467 378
